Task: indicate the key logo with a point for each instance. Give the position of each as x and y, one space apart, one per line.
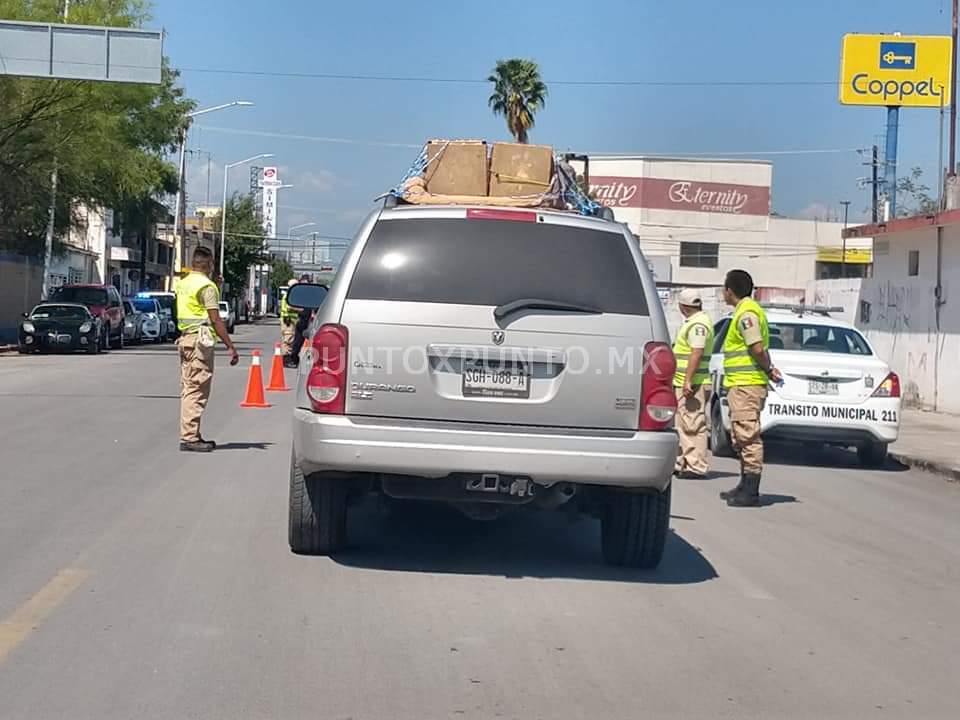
898 55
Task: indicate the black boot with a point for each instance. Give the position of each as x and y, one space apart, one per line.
749 494
197 446
727 494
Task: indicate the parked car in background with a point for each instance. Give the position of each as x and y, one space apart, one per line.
154 325
132 324
103 301
227 314
63 327
835 390
168 304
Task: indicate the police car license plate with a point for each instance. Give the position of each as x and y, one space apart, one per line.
822 387
491 379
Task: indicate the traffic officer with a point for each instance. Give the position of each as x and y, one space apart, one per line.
692 349
288 321
304 315
197 312
746 372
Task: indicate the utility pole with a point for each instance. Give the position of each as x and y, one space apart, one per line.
52 219
843 250
875 185
952 170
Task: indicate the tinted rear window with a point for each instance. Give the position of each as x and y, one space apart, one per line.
82 295
487 262
817 338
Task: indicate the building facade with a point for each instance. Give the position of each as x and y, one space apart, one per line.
909 308
697 218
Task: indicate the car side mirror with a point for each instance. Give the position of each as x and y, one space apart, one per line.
26 315
309 296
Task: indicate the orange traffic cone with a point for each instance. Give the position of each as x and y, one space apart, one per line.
255 397
278 382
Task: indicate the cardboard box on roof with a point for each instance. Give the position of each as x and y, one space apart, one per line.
520 170
456 167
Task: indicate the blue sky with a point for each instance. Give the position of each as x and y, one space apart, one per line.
695 40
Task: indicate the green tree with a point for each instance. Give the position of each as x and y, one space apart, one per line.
246 243
518 94
913 195
281 272
108 141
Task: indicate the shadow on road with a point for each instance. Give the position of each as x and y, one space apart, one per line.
768 499
797 454
243 445
429 538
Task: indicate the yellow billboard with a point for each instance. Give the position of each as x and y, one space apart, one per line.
858 256
896 70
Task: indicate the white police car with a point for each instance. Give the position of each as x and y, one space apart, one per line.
835 390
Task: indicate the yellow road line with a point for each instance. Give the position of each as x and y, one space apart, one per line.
25 619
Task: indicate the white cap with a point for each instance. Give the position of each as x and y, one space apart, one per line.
690 297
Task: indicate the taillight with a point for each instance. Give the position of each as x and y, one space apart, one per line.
658 400
889 388
327 381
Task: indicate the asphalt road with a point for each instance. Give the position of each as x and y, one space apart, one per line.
139 582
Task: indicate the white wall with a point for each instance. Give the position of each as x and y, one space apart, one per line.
898 313
782 256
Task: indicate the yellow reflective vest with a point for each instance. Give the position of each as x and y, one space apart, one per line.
287 312
682 350
739 367
191 314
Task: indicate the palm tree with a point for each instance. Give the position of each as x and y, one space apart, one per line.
518 93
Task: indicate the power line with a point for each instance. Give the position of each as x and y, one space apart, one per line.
483 81
603 154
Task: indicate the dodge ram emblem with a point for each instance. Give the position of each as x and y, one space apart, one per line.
498 337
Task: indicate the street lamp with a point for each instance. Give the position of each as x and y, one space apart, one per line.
223 209
182 166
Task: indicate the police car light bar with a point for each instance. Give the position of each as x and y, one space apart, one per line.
800 308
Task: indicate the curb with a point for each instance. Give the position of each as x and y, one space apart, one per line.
950 472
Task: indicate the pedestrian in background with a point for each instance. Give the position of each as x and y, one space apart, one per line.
197 312
692 349
288 321
746 372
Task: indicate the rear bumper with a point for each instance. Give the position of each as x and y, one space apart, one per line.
876 420
329 443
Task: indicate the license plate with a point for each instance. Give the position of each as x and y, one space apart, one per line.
491 379
822 387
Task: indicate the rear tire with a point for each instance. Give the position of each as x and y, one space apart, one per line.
318 513
634 528
873 455
720 444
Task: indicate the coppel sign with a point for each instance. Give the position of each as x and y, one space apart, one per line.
901 70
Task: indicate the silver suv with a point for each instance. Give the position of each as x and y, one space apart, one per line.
491 359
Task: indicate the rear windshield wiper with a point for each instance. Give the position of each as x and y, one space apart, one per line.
540 304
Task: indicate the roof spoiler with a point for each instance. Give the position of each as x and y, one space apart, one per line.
802 309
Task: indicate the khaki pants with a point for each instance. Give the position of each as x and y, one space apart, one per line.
746 403
692 431
196 377
288 329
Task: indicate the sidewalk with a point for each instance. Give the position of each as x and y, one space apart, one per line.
929 441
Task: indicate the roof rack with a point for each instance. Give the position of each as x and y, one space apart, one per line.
563 192
802 309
